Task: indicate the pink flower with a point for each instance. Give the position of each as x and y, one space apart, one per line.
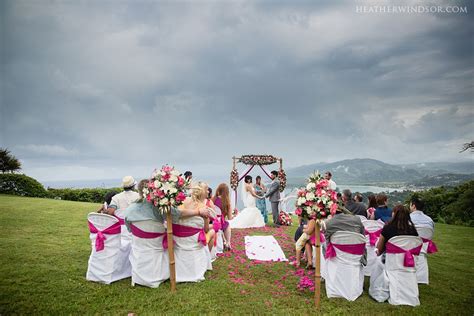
151 184
180 197
334 195
159 193
167 169
298 211
322 184
148 198
180 181
333 208
166 177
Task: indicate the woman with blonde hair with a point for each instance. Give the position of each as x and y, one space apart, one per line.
221 199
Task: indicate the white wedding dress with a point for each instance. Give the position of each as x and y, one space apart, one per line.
250 216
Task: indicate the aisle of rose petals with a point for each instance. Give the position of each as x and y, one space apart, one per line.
283 278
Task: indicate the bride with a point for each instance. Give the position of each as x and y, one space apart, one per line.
250 216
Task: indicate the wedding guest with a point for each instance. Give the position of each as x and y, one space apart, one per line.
301 241
382 212
400 224
123 200
371 207
107 200
356 208
188 176
417 216
141 210
209 193
358 197
332 185
308 231
261 204
222 200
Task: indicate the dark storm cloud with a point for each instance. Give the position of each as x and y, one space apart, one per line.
91 89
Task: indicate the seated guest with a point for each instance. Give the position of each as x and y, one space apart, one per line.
371 207
300 238
142 210
123 200
107 200
417 216
400 224
358 197
309 230
382 212
222 200
356 208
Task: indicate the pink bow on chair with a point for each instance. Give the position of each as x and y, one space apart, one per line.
431 245
100 238
409 260
354 249
373 236
149 235
187 231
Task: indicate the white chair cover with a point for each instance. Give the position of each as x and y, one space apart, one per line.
192 258
422 273
362 218
344 275
371 226
392 280
105 266
219 248
149 260
125 242
322 261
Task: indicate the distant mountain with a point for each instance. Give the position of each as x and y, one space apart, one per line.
447 179
371 171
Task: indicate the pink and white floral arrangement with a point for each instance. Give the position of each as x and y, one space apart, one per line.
166 188
316 200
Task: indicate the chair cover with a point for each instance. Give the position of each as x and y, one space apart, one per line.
105 264
219 243
422 272
149 259
362 218
344 275
372 232
191 255
125 241
396 279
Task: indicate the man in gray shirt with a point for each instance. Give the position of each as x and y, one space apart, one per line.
356 208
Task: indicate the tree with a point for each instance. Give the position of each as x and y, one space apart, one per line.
8 162
467 146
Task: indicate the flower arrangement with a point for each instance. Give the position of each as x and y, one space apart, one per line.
234 179
316 199
285 219
258 159
282 177
166 188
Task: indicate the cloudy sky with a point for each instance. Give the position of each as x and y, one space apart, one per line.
100 89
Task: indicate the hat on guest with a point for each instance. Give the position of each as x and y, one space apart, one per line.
128 182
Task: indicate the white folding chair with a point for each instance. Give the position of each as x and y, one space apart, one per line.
125 240
371 227
149 259
394 280
422 272
344 275
192 258
104 265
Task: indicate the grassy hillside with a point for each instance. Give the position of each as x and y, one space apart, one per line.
45 248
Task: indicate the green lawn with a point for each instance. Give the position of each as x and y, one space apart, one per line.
45 248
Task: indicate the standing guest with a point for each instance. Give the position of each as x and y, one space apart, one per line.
123 200
273 194
261 204
382 212
356 208
141 210
332 185
222 200
358 197
107 200
204 198
188 176
371 207
417 216
400 224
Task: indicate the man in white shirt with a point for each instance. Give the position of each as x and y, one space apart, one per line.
417 216
123 200
332 185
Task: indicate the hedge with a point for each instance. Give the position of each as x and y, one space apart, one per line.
20 184
95 195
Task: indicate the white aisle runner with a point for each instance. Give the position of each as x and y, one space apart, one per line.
263 248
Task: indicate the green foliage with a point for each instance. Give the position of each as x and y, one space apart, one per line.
450 205
8 162
20 184
44 261
95 195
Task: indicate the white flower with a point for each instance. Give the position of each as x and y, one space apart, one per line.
175 172
164 201
173 178
310 186
157 184
172 201
173 190
301 200
310 196
167 186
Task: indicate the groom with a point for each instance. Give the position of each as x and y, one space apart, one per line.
273 195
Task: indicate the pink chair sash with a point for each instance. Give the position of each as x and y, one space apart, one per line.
187 231
409 260
373 236
354 249
431 246
322 239
121 220
100 238
149 235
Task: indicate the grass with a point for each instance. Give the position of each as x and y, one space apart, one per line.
45 247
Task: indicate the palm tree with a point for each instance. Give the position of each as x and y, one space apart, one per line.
8 162
467 146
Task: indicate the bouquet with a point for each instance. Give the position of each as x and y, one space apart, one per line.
166 188
285 219
316 200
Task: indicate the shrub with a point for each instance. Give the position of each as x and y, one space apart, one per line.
95 195
20 184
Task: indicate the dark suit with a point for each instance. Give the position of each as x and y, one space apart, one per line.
356 208
274 196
